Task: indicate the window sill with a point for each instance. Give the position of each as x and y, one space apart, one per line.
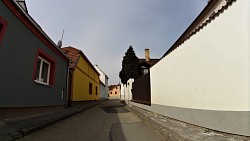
38 82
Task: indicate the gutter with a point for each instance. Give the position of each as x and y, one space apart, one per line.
67 87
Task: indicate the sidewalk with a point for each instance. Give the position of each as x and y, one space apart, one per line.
14 128
174 130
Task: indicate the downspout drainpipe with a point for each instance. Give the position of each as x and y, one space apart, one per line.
67 87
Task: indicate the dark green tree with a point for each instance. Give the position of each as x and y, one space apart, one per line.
130 66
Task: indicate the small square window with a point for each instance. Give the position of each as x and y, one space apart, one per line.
115 92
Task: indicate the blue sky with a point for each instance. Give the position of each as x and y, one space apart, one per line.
104 29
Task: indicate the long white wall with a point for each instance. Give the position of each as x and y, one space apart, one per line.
206 81
211 70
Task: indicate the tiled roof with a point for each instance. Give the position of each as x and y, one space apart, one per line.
149 63
111 87
73 54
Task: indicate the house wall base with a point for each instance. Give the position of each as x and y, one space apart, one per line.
235 122
14 112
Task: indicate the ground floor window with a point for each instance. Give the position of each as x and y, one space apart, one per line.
90 88
44 69
96 90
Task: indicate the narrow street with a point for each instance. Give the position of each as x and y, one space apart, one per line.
109 121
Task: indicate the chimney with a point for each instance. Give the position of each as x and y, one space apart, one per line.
147 55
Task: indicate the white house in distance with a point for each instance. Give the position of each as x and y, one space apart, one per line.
126 91
204 78
103 83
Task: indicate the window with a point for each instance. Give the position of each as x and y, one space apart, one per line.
96 92
90 88
110 92
115 92
44 69
144 70
3 26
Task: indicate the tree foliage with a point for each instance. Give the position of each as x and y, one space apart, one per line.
130 66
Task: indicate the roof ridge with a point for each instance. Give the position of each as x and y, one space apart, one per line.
200 27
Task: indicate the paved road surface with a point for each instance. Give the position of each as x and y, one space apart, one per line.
109 121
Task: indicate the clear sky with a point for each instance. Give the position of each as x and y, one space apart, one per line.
104 29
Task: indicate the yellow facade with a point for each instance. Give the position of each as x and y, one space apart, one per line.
83 77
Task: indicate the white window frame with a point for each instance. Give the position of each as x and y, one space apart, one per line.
40 71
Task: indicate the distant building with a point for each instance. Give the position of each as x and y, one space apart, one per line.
103 83
84 81
114 91
126 90
103 92
147 62
141 93
33 69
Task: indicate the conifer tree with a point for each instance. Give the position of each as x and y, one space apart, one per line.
130 66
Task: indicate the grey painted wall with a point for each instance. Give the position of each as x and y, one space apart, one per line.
18 50
236 122
103 92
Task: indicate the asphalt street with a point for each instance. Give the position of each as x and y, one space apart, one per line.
109 121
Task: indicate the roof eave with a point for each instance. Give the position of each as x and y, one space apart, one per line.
33 22
91 65
192 27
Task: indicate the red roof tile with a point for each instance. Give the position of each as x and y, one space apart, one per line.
73 54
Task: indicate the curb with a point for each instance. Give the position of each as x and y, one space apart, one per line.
13 129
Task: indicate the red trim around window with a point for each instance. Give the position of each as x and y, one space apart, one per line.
45 56
3 26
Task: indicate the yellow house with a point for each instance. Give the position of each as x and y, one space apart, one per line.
84 78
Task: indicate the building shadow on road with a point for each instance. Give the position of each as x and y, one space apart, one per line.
115 107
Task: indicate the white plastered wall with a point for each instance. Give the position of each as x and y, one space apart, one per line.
126 91
123 87
211 70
